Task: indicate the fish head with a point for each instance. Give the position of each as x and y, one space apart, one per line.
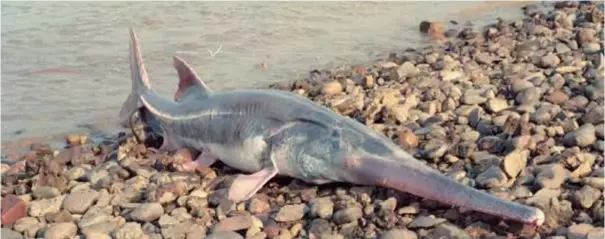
371 158
354 153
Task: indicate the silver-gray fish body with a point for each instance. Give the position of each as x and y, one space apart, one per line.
240 127
252 130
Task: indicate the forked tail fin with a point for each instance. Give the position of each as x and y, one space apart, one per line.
139 79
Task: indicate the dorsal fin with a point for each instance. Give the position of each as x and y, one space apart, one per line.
188 78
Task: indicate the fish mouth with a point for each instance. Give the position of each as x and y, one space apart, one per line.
152 138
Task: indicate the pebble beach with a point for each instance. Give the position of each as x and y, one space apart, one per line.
515 108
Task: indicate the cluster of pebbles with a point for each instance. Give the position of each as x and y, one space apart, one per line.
514 108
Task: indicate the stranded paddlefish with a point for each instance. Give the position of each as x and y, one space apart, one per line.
265 133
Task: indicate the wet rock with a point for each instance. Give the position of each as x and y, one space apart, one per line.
582 137
322 207
586 196
147 212
61 230
79 202
290 213
347 215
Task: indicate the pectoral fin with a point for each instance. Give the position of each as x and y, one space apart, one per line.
246 185
203 160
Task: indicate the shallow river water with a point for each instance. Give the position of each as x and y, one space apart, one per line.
65 65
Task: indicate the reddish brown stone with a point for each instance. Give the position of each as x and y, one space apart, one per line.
17 167
206 172
32 155
557 97
182 155
259 204
234 223
13 155
66 155
167 193
13 209
272 230
76 139
407 138
435 30
6 190
359 69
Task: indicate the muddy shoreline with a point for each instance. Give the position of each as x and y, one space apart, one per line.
514 108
